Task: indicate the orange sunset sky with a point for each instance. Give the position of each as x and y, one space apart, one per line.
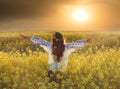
60 15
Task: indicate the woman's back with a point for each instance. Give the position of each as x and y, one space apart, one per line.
58 51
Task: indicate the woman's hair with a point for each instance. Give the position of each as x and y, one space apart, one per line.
58 46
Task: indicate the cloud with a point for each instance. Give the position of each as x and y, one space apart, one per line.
40 8
29 8
32 12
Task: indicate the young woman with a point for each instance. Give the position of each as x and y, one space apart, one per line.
57 49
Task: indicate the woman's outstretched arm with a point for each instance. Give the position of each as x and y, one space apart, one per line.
78 43
37 40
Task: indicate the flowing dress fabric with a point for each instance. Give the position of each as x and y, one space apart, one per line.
47 46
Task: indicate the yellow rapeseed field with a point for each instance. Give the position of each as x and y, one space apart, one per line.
24 65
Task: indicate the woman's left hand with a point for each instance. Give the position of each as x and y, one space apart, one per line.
24 36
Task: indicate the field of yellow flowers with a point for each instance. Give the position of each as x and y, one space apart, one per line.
24 65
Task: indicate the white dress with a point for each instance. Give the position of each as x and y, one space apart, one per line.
47 46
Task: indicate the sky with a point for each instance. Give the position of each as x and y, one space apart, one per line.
57 14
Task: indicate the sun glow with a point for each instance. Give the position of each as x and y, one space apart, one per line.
80 15
76 15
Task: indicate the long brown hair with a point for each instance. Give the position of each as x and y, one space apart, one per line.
58 46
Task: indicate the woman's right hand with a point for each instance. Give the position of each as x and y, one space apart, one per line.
89 39
24 36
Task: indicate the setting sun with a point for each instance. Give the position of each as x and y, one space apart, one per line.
80 15
77 15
